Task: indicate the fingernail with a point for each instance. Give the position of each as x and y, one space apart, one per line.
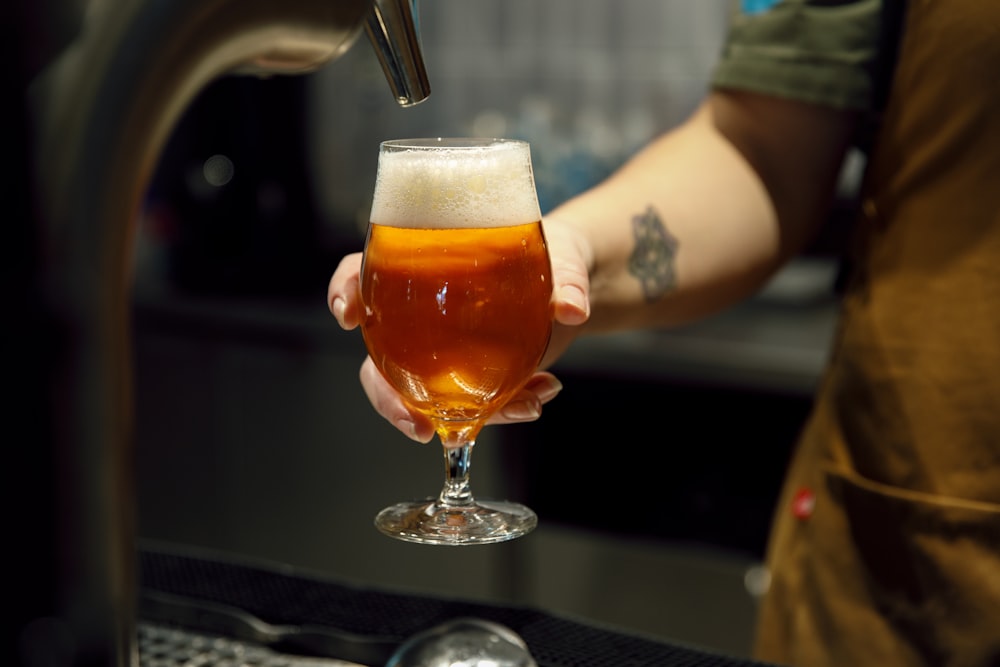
574 296
547 388
521 411
339 307
408 428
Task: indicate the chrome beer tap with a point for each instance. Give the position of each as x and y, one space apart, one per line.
103 83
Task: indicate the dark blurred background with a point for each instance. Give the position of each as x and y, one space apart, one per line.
655 472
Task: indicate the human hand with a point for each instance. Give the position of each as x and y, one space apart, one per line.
571 259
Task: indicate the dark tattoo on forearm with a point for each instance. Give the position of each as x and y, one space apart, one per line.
653 260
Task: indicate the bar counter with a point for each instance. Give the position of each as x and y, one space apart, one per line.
211 594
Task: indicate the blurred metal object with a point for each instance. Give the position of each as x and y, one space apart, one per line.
238 625
464 642
101 84
171 646
392 29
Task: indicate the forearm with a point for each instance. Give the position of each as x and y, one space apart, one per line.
703 216
682 229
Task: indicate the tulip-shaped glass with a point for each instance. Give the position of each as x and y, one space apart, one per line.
456 289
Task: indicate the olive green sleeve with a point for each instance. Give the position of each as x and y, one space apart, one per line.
819 51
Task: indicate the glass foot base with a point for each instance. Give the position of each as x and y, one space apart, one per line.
482 522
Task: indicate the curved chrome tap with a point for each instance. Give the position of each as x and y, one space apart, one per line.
102 104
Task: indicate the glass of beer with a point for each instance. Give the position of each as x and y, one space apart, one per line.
456 289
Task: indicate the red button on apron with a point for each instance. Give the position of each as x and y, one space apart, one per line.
803 503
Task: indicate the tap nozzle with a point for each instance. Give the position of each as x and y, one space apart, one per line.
392 29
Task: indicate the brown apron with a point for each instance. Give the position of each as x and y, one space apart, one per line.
886 542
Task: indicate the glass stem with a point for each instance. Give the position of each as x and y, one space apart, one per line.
456 492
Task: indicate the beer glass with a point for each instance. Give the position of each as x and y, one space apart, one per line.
456 290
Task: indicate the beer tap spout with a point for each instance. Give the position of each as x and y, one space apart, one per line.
393 30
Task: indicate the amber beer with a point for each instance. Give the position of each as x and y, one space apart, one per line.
456 282
457 319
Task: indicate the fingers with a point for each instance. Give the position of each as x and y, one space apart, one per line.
342 299
570 273
527 405
342 292
388 403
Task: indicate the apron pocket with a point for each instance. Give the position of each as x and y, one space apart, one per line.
931 565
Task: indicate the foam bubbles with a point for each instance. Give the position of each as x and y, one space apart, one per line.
485 184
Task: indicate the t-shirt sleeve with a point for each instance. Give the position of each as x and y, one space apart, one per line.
820 51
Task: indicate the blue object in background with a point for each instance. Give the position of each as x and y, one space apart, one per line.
758 6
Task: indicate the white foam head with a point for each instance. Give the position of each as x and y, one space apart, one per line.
454 183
